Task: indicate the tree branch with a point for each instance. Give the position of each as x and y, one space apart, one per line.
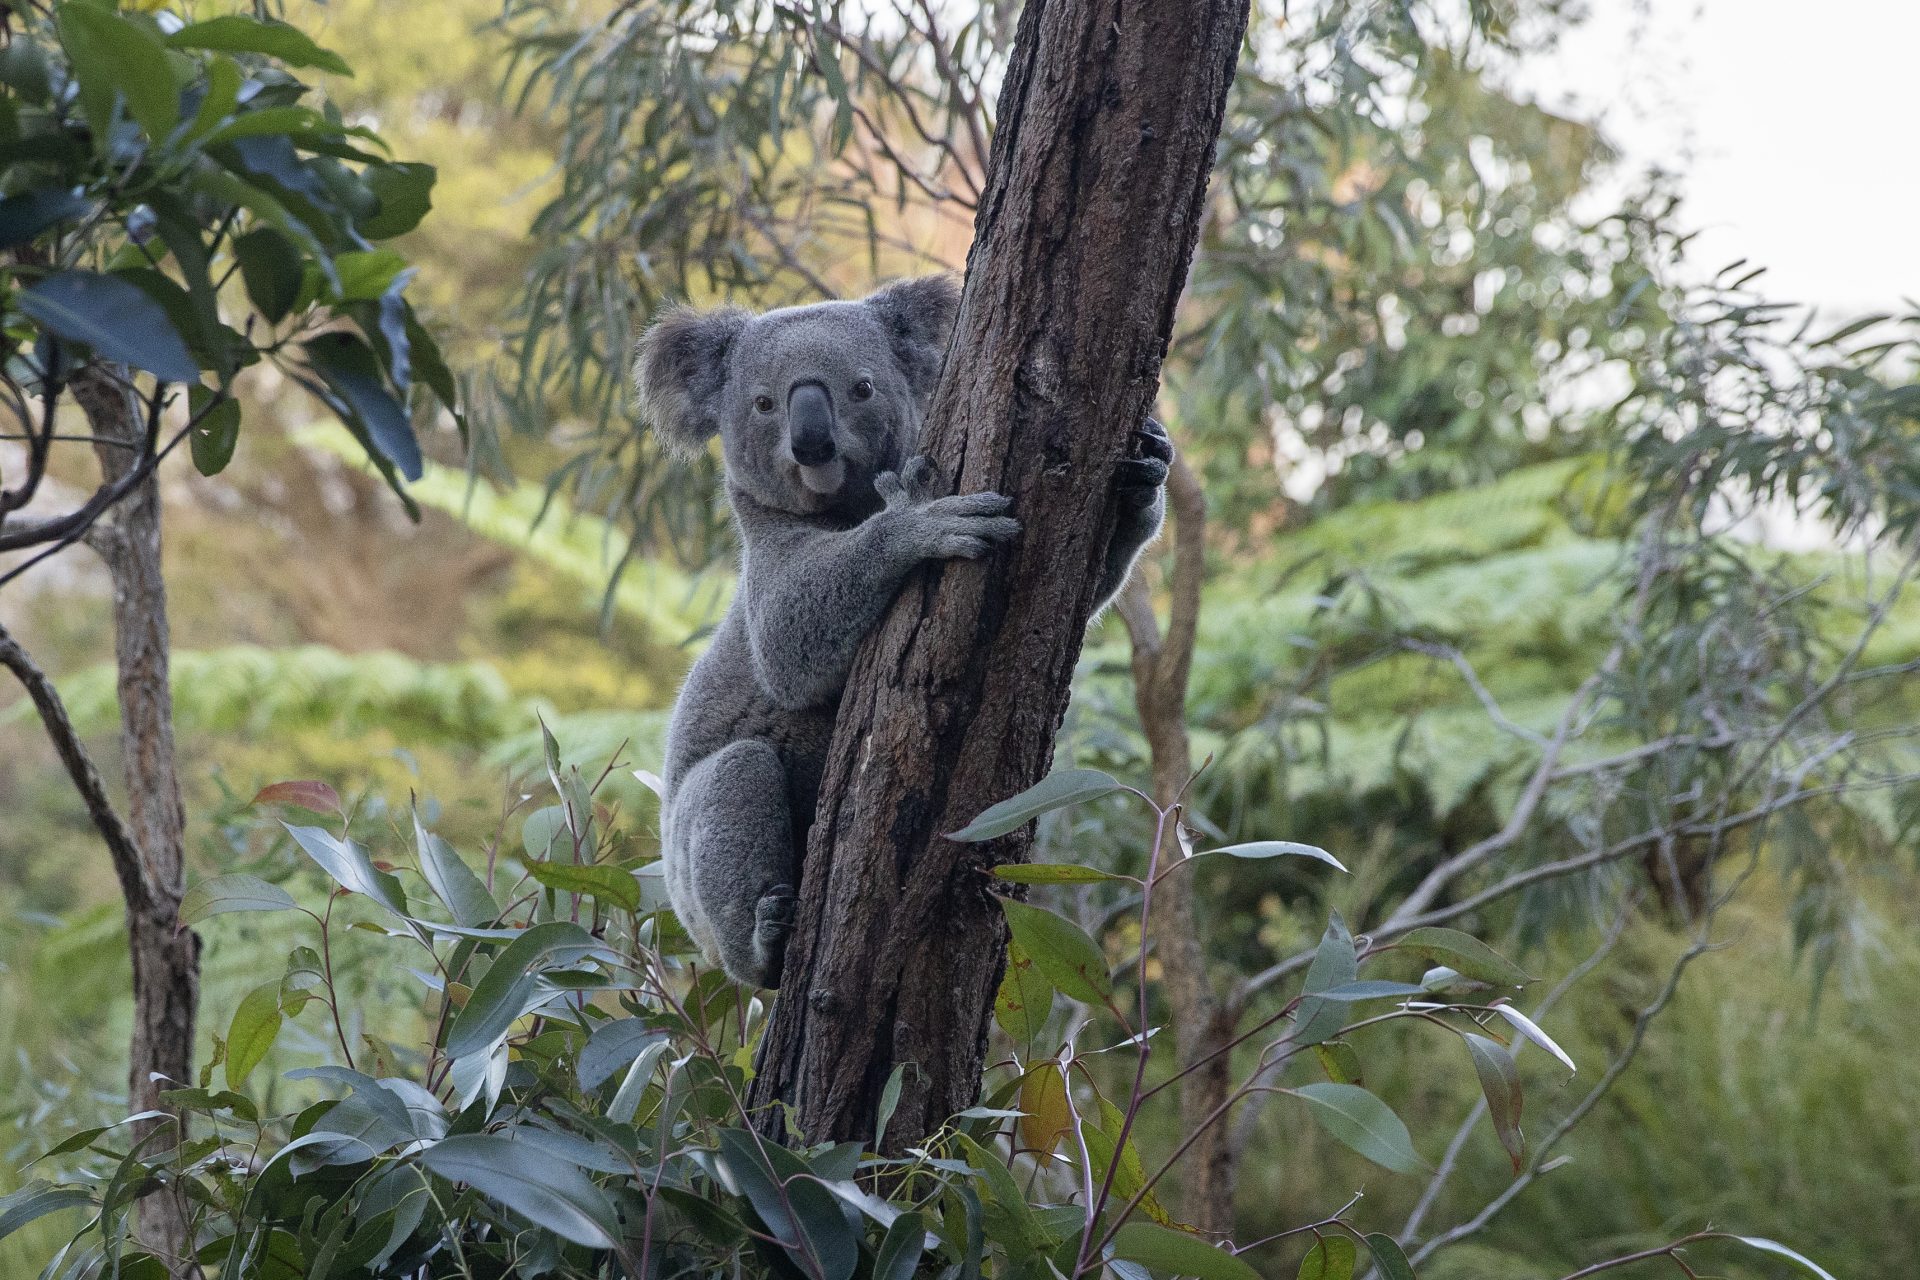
135 877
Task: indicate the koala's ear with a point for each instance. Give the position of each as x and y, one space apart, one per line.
919 317
681 371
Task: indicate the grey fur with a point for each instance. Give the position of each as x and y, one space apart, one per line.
825 550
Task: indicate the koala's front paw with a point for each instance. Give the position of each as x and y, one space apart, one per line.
772 926
1138 479
959 526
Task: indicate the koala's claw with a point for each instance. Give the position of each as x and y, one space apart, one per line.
1138 479
772 926
1151 441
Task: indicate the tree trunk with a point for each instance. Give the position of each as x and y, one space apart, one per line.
1094 195
166 958
1200 1021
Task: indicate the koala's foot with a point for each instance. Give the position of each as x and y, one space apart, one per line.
958 526
772 926
1138 479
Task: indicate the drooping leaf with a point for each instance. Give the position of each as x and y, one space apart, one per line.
1061 950
1043 1097
542 1188
889 1101
800 1213
255 1026
316 797
1025 997
349 864
1055 791
501 996
270 266
1335 964
1464 954
1331 1258
1339 1060
1276 849
217 432
116 319
26 215
115 57
36 1200
1106 1150
1364 1123
405 192
348 366
1531 1030
901 1248
237 33
609 884
236 891
1389 1257
1178 1253
1501 1085
1779 1250
612 1047
452 881
1052 873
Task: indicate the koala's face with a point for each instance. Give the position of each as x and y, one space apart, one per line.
810 403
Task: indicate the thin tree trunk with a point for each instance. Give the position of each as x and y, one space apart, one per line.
1095 189
166 958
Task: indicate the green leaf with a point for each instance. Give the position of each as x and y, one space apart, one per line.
452 881
25 216
1339 1060
889 1100
1331 1258
270 266
536 1184
609 884
116 319
1334 965
348 366
1276 849
803 1216
217 432
1177 1253
543 829
1046 1117
36 1200
1052 873
1129 1174
365 275
1364 1123
1774 1247
1061 950
222 96
236 33
1464 954
1389 1257
1025 997
1351 992
114 57
349 864
234 892
900 1250
405 192
256 1025
1055 791
1501 1085
510 984
613 1046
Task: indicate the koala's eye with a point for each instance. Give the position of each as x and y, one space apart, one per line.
763 403
863 389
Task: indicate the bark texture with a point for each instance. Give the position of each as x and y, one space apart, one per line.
1095 189
166 958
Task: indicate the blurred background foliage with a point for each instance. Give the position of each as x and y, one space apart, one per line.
1430 377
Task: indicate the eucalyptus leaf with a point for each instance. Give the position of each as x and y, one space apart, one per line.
1055 791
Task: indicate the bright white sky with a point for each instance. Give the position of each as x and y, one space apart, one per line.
1791 124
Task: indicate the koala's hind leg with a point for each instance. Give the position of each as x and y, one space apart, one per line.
731 869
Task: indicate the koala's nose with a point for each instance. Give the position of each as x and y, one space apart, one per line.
810 424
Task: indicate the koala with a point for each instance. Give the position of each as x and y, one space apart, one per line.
818 409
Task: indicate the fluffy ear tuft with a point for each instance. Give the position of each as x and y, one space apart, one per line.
680 370
919 314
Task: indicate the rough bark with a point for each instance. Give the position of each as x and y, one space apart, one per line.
1108 119
166 958
1201 1022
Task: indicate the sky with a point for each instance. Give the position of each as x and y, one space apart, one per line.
1792 125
